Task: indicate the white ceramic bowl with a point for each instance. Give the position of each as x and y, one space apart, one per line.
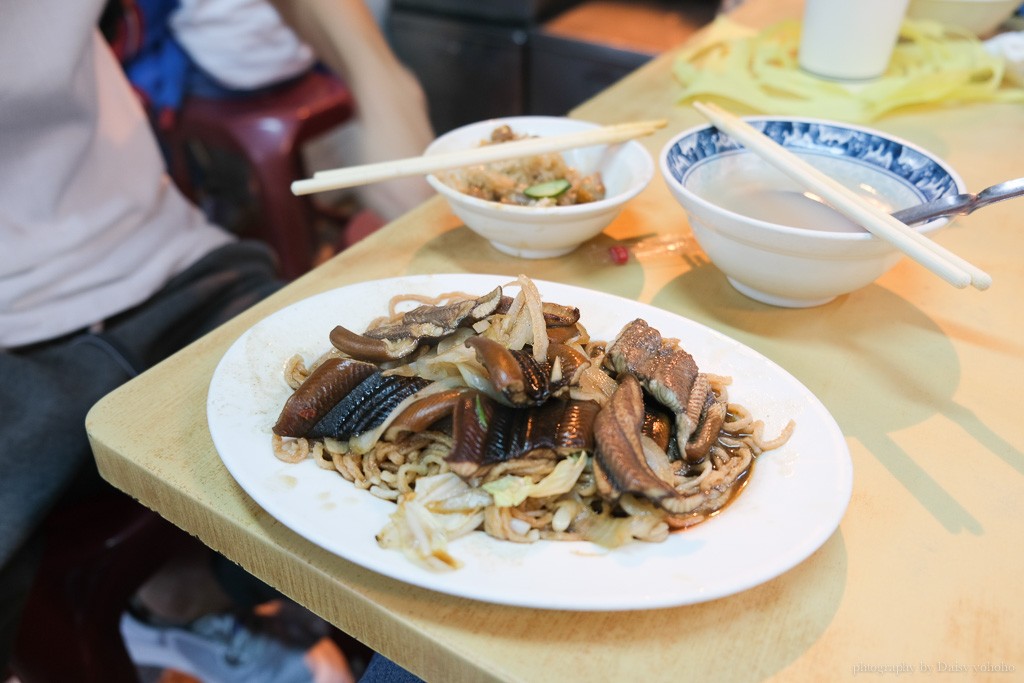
773 243
545 232
980 17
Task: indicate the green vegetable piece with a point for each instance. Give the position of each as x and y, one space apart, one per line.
552 188
481 414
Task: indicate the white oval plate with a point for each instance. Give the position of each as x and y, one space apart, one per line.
793 503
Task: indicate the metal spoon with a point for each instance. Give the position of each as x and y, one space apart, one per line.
960 204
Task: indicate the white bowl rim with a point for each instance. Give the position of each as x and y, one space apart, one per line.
640 182
829 235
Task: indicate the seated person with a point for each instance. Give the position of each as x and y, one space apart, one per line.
230 48
107 270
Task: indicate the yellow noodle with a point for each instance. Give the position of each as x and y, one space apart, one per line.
340 466
295 371
321 456
290 450
778 441
384 492
397 301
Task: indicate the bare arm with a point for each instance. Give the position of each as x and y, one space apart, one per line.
345 36
392 120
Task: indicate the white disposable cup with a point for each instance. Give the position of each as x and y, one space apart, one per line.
850 39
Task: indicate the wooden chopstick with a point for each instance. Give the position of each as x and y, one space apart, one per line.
370 173
935 257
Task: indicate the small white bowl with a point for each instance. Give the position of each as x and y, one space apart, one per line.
546 232
775 244
980 17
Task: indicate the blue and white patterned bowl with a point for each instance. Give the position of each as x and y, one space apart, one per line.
777 243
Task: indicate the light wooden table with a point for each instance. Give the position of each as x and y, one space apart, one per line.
924 379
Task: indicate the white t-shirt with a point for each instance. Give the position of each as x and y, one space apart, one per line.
243 44
90 224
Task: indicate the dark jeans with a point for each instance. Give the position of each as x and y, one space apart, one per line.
46 390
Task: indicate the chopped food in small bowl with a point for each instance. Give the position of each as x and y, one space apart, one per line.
545 205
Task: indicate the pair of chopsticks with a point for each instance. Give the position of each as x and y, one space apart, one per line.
387 170
944 263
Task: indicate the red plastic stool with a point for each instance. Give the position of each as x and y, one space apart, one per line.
267 130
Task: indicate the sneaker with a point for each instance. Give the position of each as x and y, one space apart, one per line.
221 649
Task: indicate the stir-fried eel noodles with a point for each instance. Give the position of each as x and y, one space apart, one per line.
500 413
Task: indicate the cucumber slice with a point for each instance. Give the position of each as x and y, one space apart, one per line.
552 188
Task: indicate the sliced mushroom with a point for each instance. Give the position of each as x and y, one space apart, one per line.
486 432
666 371
671 376
369 349
555 315
563 335
712 417
423 413
423 324
569 362
430 323
515 374
331 381
620 465
658 425
367 405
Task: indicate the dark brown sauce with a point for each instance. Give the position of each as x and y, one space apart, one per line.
738 486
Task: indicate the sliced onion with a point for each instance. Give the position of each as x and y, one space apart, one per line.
535 307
